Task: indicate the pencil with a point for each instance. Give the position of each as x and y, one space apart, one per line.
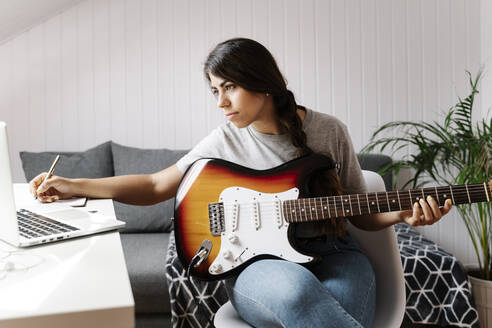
50 172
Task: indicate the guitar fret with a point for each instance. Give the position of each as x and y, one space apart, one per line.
423 195
307 209
398 195
316 209
335 203
358 202
299 212
468 193
304 210
315 200
310 209
341 201
298 203
368 208
387 199
377 202
351 210
452 195
486 193
295 202
328 206
437 196
292 210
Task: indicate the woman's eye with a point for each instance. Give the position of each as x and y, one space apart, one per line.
230 87
215 92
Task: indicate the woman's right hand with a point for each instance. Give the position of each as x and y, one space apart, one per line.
53 189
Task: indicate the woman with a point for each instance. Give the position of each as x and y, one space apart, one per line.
267 128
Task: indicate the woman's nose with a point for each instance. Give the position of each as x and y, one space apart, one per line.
222 101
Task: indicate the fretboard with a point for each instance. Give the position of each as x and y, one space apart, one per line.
322 208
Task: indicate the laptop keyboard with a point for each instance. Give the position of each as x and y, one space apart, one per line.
32 225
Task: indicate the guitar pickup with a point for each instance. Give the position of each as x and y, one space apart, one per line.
278 213
256 215
235 216
216 218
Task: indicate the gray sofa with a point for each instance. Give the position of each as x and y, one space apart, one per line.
146 235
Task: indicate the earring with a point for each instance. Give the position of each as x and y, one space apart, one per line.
267 94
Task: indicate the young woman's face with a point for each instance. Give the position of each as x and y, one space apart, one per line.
240 106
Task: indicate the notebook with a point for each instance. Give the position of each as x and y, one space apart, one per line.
24 228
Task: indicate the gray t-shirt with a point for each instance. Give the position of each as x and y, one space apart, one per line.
247 147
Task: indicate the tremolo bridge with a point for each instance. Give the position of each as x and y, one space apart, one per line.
216 218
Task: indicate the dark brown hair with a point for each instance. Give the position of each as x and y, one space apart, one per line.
251 66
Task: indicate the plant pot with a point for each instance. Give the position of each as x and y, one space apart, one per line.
482 293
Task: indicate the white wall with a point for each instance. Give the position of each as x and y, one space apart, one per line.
486 56
130 70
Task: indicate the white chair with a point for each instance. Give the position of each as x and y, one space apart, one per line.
382 249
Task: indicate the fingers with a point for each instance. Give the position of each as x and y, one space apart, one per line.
34 183
48 199
47 191
448 204
46 185
414 220
428 212
434 207
428 217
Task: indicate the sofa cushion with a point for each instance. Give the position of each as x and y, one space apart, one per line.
145 256
376 162
129 160
96 162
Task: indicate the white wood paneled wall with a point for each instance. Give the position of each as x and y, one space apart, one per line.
130 70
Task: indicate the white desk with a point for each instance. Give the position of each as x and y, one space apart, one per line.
80 283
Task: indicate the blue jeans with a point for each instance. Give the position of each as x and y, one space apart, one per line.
338 292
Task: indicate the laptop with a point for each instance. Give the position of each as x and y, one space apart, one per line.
24 228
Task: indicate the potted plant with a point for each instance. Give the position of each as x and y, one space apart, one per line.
455 151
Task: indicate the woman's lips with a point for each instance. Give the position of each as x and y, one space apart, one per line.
231 115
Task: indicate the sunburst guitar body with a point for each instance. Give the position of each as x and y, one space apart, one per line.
239 210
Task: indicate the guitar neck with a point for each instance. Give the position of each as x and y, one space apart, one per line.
322 208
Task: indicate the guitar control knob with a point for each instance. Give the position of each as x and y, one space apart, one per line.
233 238
216 268
227 255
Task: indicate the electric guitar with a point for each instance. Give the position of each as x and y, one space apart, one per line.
227 216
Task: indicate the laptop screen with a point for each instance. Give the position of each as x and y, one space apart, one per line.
8 216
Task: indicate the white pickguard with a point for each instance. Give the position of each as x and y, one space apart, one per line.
254 225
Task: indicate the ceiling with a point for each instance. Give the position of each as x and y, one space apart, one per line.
17 16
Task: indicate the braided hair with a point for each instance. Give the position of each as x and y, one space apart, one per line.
250 65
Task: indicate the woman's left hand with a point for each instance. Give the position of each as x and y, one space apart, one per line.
425 212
